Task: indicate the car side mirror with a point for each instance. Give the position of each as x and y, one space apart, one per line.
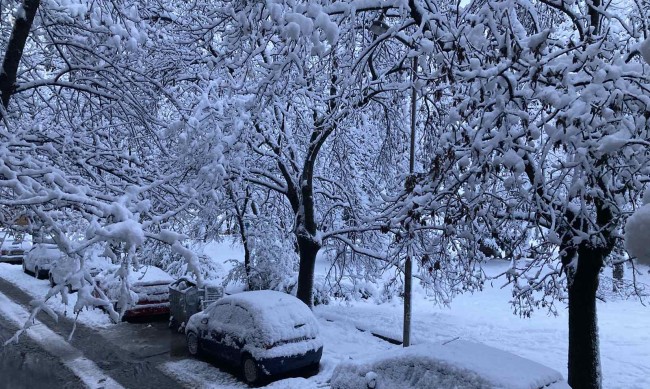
204 321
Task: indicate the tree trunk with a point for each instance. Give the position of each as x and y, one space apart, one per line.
584 356
308 251
247 252
14 52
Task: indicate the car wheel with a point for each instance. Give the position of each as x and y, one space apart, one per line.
250 371
193 344
312 369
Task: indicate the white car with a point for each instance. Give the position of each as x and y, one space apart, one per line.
12 250
457 364
39 259
68 270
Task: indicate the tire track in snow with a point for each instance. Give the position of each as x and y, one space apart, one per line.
82 367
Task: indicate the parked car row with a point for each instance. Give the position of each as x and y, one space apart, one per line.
263 334
149 284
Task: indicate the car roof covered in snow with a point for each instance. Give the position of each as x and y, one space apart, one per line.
278 316
11 241
144 275
467 365
149 275
45 250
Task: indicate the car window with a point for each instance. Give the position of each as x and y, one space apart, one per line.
241 318
221 313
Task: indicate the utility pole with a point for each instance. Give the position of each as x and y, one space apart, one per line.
408 265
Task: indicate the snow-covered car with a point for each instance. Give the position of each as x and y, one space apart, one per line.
262 333
39 259
149 291
68 270
457 364
12 250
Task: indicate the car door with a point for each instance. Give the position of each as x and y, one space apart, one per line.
236 330
215 335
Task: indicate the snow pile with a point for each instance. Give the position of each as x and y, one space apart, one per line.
458 364
637 233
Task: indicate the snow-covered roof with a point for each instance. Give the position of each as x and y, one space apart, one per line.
459 364
278 316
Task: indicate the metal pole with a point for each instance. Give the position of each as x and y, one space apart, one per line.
408 266
413 110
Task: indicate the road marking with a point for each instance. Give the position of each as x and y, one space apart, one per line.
82 367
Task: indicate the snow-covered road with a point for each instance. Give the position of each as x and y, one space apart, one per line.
104 356
27 366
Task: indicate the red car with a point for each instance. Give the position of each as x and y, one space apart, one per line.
149 291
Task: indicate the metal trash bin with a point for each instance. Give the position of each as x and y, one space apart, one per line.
186 299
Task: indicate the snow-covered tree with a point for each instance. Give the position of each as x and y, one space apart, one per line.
84 127
294 117
544 141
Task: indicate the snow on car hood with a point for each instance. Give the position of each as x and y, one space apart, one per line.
461 363
278 316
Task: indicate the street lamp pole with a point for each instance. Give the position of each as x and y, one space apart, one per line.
408 265
378 28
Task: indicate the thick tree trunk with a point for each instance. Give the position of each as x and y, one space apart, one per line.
308 250
15 48
584 356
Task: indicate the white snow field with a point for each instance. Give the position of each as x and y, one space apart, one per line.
485 317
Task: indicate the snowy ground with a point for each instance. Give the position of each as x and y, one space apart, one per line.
485 317
39 288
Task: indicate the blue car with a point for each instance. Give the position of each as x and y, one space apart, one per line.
262 333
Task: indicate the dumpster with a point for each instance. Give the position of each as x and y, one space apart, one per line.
186 299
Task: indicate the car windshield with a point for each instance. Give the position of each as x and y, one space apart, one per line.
278 317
